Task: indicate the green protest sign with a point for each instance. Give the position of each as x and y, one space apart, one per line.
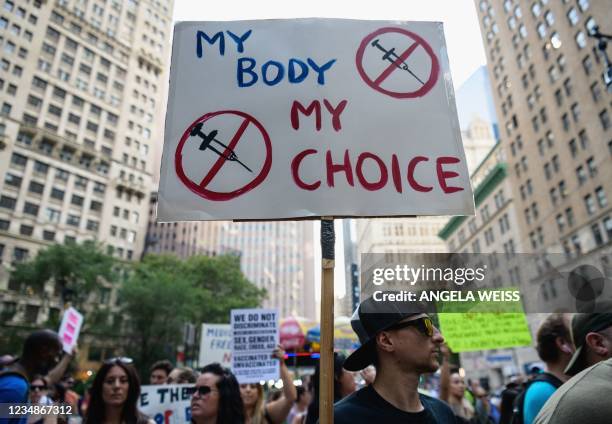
482 325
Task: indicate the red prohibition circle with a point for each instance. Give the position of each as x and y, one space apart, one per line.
200 189
419 41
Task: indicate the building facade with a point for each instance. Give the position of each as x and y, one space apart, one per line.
555 121
279 257
82 95
493 230
182 239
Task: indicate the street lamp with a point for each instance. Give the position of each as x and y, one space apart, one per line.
602 45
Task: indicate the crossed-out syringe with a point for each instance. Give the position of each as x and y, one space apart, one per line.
208 139
392 57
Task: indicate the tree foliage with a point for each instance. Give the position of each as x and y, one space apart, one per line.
163 293
76 268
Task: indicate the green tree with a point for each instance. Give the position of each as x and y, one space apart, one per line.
75 268
224 287
163 293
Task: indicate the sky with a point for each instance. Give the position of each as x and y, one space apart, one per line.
463 39
462 31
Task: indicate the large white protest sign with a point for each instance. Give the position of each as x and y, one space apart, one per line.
255 335
311 117
70 328
216 344
166 404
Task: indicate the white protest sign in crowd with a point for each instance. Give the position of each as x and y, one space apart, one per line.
311 117
255 335
166 404
216 345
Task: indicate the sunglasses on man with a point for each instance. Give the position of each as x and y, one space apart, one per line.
423 325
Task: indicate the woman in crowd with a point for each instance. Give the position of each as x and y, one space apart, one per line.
274 412
452 390
182 375
39 396
344 385
114 395
297 415
216 398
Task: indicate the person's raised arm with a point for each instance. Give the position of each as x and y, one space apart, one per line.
278 410
56 374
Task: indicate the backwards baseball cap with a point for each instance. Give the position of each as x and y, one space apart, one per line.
583 324
370 318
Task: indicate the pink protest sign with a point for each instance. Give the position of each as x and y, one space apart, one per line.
70 328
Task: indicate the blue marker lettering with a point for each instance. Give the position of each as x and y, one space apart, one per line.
279 74
321 70
241 70
218 36
239 39
304 68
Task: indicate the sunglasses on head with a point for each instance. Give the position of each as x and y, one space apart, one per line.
424 325
35 387
201 390
122 359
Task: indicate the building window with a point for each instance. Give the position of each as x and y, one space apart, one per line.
20 254
597 236
93 225
560 222
587 65
26 230
541 28
73 220
30 208
608 227
56 193
569 214
589 204
567 85
601 197
604 118
584 139
550 18
580 40
573 16
48 235
565 122
53 215
8 202
36 187
13 180
581 175
95 206
77 200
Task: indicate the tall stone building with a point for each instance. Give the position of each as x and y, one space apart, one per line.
182 239
494 229
555 120
277 256
82 101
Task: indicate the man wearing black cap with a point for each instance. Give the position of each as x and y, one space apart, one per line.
402 345
586 397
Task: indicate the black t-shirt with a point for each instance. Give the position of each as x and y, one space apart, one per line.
368 407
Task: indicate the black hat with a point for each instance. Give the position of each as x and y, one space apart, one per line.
583 324
370 318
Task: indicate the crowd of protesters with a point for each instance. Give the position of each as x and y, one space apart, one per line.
397 351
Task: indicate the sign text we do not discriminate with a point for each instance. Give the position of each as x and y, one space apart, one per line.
297 118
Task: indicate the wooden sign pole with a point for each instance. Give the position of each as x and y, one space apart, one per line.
326 376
